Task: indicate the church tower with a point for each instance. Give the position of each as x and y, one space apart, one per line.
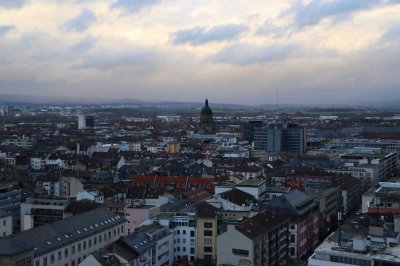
206 120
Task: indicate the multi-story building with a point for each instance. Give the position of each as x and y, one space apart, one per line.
281 138
384 199
361 243
39 211
173 147
64 242
328 206
260 240
184 228
369 169
206 232
304 223
351 193
137 213
10 202
148 245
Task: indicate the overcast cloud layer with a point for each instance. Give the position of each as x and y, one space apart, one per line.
312 51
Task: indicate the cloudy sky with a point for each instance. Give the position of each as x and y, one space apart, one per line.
233 51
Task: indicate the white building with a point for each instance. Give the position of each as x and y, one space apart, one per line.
81 121
92 195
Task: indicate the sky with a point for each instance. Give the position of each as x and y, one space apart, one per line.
241 51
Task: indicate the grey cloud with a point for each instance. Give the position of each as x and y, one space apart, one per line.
274 31
84 45
138 56
12 3
81 22
200 35
312 13
392 35
134 5
245 54
4 29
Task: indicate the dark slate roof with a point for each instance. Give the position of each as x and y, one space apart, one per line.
55 235
294 202
206 210
141 240
261 223
237 196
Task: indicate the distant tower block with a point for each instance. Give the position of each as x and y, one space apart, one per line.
81 122
90 121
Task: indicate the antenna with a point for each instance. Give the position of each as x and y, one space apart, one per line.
277 97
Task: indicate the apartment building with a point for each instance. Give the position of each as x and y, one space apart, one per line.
303 211
260 240
206 232
65 242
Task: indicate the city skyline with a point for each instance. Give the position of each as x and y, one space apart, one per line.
325 51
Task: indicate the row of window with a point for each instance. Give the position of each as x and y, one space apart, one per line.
79 247
178 249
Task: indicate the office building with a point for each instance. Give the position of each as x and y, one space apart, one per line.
276 138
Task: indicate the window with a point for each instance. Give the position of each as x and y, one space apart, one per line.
37 263
4 222
292 238
184 232
241 252
208 225
207 241
45 261
99 238
52 258
191 250
90 243
84 245
292 252
207 249
59 255
184 249
178 232
79 247
95 241
192 233
73 250
208 233
66 253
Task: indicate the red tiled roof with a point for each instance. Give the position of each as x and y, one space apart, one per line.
177 179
